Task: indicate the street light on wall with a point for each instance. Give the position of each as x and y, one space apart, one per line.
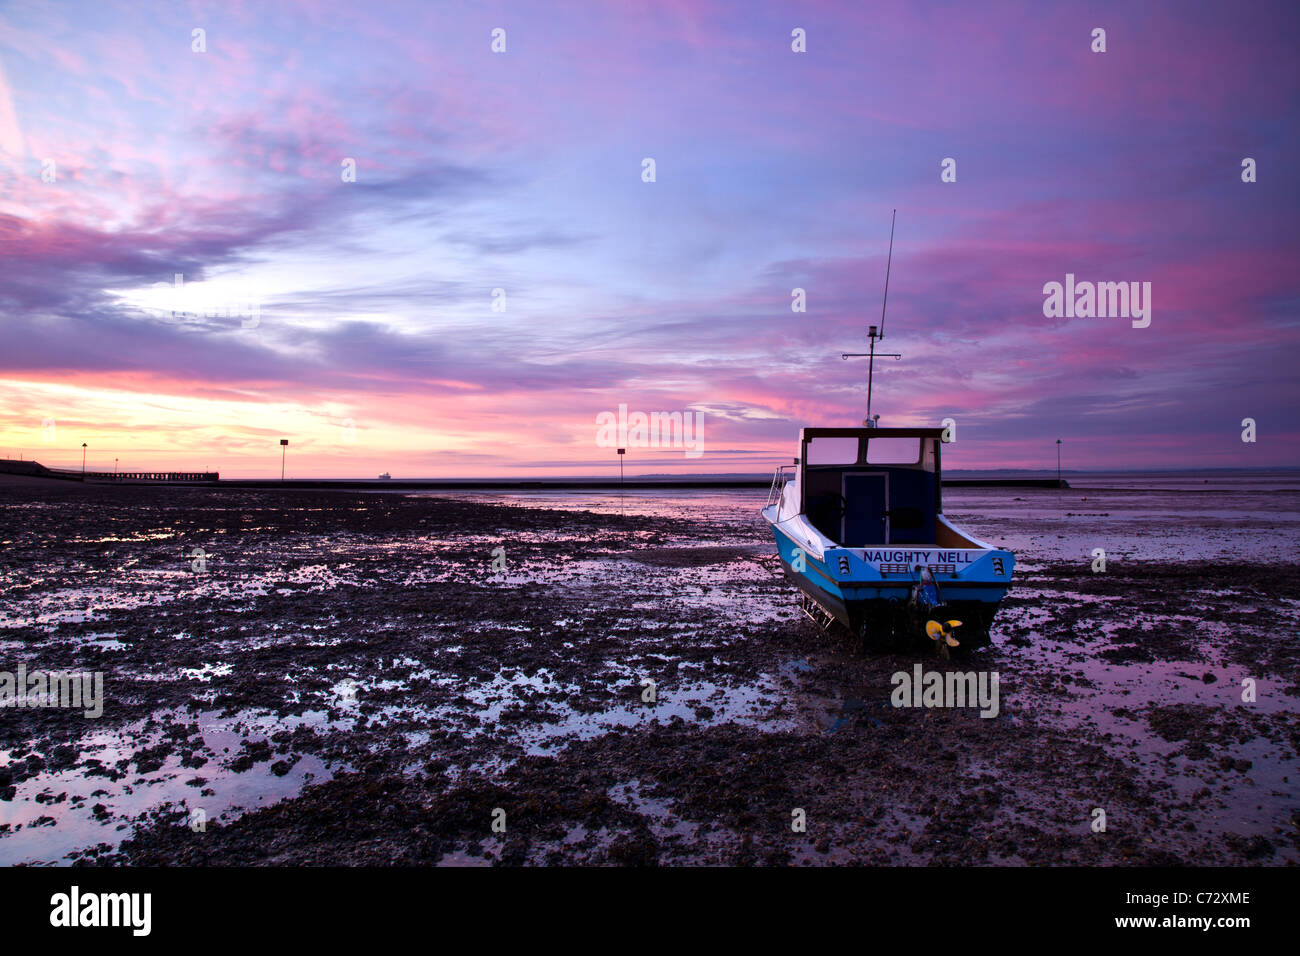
621 453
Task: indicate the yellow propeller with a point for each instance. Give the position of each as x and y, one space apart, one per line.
936 630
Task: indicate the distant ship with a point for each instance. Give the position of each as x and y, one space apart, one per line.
385 476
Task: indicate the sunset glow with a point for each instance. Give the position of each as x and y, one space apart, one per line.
374 344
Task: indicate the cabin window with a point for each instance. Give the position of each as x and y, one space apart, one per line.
832 451
893 451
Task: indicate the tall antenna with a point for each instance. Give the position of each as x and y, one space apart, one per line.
873 333
888 264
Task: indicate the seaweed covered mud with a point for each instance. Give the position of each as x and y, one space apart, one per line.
332 677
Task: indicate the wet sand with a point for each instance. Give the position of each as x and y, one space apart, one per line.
348 680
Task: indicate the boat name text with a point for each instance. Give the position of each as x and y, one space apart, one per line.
912 558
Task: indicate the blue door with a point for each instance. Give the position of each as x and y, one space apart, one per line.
866 498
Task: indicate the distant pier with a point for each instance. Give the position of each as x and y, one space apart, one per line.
188 477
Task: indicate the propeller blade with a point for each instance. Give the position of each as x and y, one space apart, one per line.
952 624
934 629
952 641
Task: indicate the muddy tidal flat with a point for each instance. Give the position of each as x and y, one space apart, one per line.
376 679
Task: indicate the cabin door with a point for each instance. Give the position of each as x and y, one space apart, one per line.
866 497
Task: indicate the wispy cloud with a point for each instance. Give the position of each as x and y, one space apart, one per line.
498 273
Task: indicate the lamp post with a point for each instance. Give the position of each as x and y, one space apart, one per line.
114 469
83 459
284 442
621 453
1058 462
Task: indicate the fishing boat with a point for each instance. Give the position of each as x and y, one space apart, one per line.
860 530
385 476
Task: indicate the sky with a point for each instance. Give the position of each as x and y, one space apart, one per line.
406 251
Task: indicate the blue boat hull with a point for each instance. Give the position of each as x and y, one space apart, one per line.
873 603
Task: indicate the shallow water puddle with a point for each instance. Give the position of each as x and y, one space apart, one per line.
55 813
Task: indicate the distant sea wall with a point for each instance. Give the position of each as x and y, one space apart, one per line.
35 469
12 466
32 469
559 484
